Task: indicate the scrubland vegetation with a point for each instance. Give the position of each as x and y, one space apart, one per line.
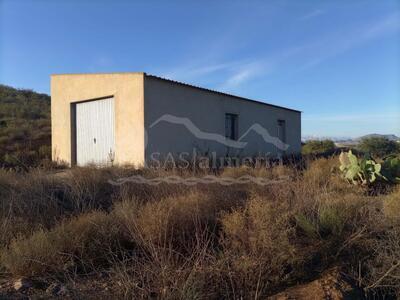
318 147
206 241
374 146
24 128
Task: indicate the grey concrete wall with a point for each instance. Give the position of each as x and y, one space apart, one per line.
207 109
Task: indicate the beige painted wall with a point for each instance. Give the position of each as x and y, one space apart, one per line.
207 110
128 92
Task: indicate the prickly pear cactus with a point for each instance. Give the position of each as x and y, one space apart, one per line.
391 169
370 170
364 172
349 166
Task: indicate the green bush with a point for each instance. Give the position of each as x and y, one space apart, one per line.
318 147
378 146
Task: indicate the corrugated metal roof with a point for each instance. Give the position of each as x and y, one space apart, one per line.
185 84
220 93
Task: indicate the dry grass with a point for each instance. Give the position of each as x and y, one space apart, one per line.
204 241
392 206
256 247
79 244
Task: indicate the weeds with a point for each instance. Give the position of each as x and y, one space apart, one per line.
204 241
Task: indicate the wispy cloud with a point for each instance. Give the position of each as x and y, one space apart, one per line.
389 24
238 78
312 14
236 73
297 58
244 73
339 43
197 70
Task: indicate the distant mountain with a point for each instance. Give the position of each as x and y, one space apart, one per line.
348 140
320 138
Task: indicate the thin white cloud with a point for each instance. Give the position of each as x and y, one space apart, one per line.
305 56
340 43
235 72
244 73
312 14
195 71
240 77
387 25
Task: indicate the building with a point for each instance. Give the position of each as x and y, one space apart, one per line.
130 118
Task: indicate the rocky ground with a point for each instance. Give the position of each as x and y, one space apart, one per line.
331 285
93 287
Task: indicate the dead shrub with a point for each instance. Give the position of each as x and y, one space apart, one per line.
284 171
146 192
79 244
272 172
164 277
327 215
320 175
392 206
35 200
257 252
243 170
174 241
172 221
381 272
88 188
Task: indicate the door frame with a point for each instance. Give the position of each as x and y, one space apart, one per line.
74 128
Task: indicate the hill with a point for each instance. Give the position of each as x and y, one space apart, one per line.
25 131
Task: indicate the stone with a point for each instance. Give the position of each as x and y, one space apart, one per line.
331 285
22 284
56 289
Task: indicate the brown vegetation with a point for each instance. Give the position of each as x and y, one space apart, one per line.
25 131
203 241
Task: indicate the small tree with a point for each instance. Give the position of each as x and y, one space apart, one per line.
378 146
318 147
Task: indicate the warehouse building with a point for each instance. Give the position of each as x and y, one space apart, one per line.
131 118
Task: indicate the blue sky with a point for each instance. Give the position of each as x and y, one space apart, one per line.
337 61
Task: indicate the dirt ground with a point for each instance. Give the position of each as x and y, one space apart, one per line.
331 285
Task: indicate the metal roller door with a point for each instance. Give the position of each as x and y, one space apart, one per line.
95 132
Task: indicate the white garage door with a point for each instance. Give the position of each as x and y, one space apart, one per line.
95 134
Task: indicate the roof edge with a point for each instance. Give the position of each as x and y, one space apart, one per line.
181 83
102 73
221 93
